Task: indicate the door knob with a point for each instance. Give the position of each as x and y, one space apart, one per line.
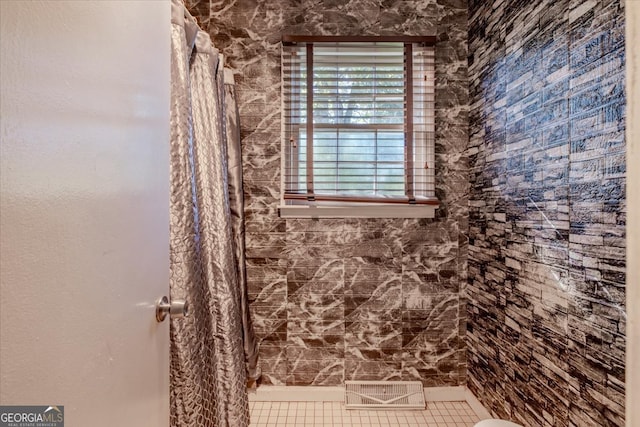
175 308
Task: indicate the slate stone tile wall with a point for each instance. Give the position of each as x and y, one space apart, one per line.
546 292
335 300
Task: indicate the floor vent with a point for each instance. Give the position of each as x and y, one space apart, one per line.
384 394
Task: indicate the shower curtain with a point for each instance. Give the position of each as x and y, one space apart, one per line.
214 350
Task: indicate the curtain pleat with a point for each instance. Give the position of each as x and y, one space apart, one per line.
208 372
236 203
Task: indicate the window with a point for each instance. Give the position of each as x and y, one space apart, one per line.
358 125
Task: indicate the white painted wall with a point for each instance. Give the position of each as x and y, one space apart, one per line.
633 211
84 199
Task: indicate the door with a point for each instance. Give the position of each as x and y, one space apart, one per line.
84 175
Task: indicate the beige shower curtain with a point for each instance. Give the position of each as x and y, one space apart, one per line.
213 348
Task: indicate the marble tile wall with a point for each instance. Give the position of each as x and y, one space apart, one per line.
335 300
546 292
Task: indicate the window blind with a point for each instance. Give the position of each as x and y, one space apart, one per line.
359 120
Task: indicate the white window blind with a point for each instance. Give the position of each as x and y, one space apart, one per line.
358 120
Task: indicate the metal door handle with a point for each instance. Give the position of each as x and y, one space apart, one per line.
175 308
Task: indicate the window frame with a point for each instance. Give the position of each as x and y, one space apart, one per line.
312 205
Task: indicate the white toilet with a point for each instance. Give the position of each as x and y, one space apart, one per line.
496 423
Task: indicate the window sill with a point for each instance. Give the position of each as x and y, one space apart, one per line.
357 211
